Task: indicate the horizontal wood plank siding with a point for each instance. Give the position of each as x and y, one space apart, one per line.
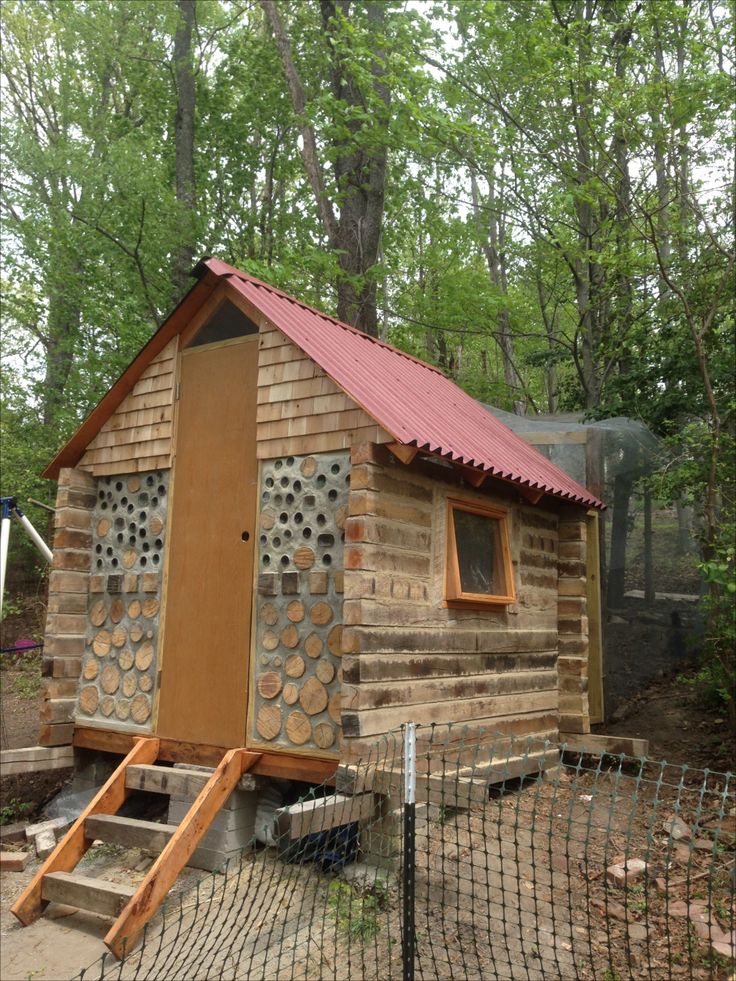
407 656
138 435
300 409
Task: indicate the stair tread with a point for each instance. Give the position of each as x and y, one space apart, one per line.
105 885
129 832
96 895
165 779
115 820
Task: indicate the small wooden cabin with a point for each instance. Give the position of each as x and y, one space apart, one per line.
279 533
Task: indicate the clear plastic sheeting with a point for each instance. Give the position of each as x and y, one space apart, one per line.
648 548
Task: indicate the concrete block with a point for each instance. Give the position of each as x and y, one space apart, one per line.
45 843
223 820
13 861
13 832
53 824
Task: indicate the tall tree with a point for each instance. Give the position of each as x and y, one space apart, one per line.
352 214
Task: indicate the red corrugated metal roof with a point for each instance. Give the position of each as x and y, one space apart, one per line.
413 401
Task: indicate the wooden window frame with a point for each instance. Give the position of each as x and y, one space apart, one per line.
454 595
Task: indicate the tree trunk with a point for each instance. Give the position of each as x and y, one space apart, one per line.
360 171
184 147
493 236
622 487
359 163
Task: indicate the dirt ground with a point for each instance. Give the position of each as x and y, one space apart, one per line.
65 941
531 892
680 725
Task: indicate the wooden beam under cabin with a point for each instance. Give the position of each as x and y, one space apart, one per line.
403 452
599 744
282 765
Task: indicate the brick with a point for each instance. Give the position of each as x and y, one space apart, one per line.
53 824
626 874
13 832
13 861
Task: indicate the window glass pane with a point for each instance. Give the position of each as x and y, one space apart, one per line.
225 323
476 537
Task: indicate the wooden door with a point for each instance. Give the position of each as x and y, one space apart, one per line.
206 643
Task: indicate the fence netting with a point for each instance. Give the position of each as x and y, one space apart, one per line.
529 864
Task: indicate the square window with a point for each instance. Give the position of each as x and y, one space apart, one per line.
478 558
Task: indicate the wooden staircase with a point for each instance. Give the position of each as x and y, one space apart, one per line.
132 907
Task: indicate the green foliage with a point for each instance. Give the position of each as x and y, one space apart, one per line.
14 810
558 224
357 913
718 668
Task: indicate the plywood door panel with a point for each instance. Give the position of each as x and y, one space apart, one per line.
203 691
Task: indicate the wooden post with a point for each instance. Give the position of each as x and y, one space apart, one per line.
595 632
649 593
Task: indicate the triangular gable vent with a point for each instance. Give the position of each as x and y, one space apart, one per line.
224 324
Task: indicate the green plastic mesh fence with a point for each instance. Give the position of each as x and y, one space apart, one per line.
529 864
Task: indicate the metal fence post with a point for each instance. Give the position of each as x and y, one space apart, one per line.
408 850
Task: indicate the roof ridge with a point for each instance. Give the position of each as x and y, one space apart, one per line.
246 277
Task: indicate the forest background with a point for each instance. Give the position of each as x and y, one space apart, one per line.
535 195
